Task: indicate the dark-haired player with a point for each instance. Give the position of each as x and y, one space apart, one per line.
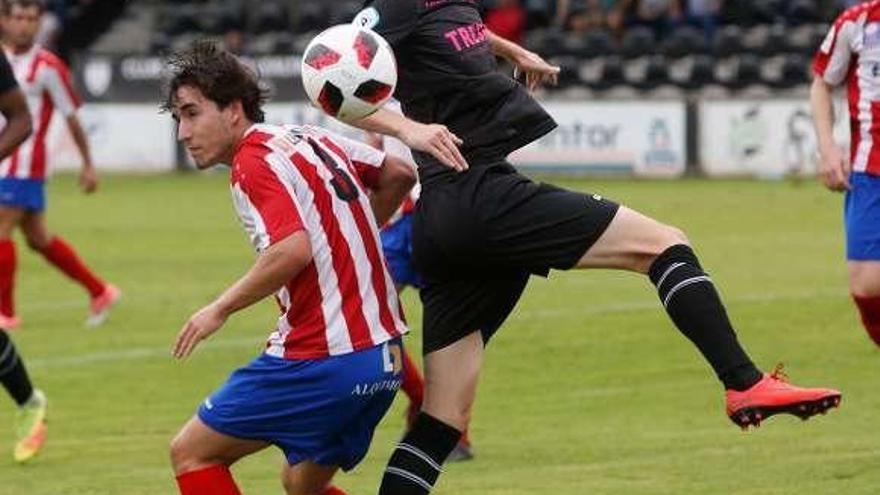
481 229
331 368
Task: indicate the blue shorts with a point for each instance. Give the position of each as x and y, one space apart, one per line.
320 410
862 218
27 194
397 245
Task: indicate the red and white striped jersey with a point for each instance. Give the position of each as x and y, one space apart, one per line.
850 55
45 81
396 147
288 178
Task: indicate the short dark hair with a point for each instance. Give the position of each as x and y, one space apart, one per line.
25 4
220 77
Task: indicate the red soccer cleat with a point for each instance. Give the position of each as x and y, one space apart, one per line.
774 395
100 306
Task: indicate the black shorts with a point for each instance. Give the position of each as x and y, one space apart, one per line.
478 236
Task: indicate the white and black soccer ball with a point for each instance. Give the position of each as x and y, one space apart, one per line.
349 72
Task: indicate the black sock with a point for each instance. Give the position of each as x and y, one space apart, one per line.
695 307
12 373
415 464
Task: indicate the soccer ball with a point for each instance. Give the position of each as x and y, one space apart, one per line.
349 72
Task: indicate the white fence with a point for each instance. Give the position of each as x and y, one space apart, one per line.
764 138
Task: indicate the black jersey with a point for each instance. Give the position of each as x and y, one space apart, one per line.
7 78
447 74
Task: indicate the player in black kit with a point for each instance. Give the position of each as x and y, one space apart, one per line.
481 229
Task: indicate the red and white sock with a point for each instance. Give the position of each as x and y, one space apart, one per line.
869 307
213 480
332 490
62 255
8 262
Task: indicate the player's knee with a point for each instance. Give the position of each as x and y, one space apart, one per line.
863 283
293 486
183 457
36 243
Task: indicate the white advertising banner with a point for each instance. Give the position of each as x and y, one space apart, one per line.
644 138
122 137
762 138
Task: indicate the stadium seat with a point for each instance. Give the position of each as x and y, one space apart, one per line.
183 20
598 44
611 73
795 71
692 72
647 73
568 74
728 41
270 16
801 12
311 16
160 43
746 72
686 40
638 42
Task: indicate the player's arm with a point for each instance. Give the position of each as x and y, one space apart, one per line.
834 168
396 179
275 266
13 106
88 178
831 68
435 139
535 69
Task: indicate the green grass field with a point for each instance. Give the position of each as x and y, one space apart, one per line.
587 390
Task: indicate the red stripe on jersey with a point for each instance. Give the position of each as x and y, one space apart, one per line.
13 167
32 70
371 246
873 165
368 174
305 316
855 129
343 261
277 210
38 156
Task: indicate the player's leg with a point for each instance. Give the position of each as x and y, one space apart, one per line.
10 217
308 478
201 456
864 285
452 376
30 419
62 255
862 221
634 242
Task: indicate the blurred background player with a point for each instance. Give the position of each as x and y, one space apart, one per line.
849 57
331 368
30 419
45 80
396 237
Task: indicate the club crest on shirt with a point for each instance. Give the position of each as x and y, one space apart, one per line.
367 18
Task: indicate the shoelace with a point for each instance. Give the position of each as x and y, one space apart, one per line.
779 373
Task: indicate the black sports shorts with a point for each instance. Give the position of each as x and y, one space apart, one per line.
479 235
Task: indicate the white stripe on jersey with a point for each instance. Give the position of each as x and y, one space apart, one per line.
352 236
336 328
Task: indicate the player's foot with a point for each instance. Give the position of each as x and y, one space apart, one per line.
774 395
9 323
30 427
100 307
462 452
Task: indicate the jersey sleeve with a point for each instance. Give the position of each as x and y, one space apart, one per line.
394 20
7 77
833 59
267 207
58 83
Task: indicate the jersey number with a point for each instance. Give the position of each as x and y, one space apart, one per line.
342 183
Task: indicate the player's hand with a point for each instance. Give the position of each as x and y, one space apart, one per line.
88 179
834 169
202 324
535 69
437 140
